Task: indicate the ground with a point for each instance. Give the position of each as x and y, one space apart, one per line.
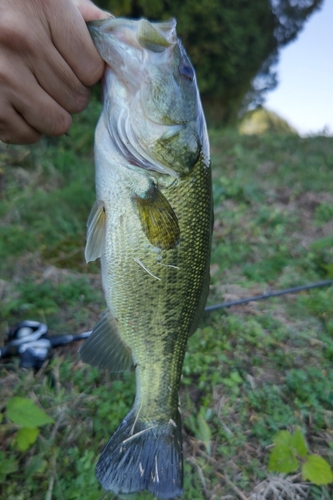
249 372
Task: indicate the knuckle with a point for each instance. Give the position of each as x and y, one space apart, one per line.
80 102
7 27
60 125
94 74
13 35
8 78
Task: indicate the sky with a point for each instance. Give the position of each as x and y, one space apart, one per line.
304 95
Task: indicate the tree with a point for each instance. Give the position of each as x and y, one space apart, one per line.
233 44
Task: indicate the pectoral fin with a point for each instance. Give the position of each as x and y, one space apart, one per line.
105 348
159 222
95 232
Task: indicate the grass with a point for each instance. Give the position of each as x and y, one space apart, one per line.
249 371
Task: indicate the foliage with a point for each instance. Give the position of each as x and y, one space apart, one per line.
25 414
28 416
262 120
250 372
229 42
290 451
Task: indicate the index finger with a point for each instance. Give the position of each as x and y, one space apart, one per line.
89 11
71 38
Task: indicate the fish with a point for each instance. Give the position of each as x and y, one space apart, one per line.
151 228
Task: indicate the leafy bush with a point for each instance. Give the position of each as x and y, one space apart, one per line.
290 451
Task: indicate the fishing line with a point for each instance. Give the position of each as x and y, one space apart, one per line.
269 294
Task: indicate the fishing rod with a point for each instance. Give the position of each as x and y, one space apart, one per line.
269 295
30 340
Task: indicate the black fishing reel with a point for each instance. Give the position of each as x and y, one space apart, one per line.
30 341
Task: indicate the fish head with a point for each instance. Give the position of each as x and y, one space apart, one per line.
151 100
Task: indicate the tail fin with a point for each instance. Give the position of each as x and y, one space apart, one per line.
143 456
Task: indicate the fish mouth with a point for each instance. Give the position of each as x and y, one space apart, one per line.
155 36
156 151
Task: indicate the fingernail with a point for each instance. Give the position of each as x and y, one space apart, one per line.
108 14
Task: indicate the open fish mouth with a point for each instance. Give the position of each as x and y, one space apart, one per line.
150 95
154 36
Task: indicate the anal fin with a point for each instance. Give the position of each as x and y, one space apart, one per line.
95 232
105 348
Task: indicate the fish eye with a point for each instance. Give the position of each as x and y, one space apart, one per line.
186 71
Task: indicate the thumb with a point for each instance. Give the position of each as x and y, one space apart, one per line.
90 11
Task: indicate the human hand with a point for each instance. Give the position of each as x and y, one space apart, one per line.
47 64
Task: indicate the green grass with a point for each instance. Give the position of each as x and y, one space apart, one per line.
249 371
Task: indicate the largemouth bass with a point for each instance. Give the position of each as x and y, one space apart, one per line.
151 228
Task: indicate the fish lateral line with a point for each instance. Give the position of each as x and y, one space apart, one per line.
138 261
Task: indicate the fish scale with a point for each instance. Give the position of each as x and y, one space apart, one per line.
147 307
151 226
